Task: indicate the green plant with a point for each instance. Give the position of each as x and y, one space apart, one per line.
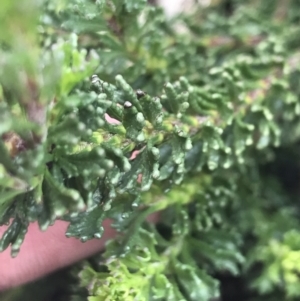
204 100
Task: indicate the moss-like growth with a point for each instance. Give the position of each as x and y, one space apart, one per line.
208 103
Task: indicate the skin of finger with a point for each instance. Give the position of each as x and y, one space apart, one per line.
44 252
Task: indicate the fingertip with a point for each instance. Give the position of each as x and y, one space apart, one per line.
45 252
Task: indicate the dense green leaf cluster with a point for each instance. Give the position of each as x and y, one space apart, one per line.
108 109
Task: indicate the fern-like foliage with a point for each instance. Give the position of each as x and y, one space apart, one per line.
108 109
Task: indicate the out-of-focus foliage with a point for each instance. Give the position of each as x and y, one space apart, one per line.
282 268
109 109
